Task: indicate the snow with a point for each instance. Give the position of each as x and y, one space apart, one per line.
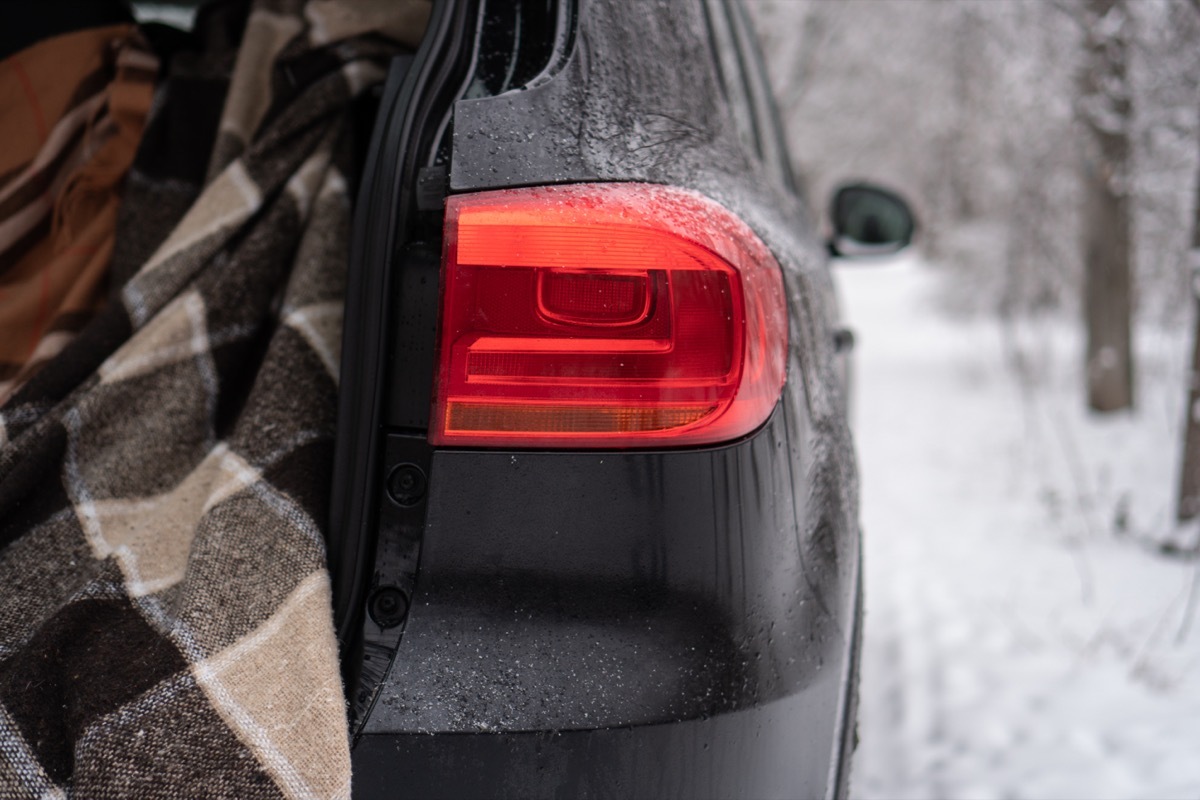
1026 634
178 15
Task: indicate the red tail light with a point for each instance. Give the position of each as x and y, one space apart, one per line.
604 315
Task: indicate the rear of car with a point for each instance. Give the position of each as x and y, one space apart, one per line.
595 523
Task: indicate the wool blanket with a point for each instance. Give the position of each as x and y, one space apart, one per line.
165 623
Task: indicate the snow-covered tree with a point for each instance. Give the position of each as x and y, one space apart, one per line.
969 109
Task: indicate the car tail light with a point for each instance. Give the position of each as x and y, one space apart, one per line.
604 315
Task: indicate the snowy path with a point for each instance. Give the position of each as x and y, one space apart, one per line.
1023 637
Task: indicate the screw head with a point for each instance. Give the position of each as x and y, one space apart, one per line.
388 606
406 484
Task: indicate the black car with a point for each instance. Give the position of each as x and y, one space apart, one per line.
595 516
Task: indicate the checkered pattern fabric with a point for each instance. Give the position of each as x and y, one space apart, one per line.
165 626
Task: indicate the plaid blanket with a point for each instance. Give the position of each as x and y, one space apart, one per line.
165 628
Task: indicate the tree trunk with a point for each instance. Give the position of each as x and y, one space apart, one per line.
1105 112
1189 477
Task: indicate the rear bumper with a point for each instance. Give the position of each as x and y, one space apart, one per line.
624 624
770 750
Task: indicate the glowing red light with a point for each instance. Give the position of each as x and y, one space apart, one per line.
604 315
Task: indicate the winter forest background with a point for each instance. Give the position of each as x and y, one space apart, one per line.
973 108
1031 596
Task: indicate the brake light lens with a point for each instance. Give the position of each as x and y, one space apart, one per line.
604 315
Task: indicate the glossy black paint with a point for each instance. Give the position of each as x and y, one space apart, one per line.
736 755
605 589
640 97
654 610
660 623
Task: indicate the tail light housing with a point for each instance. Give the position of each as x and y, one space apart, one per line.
604 315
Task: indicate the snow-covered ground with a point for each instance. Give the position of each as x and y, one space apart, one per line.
1025 635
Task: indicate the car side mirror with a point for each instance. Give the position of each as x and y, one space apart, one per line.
869 221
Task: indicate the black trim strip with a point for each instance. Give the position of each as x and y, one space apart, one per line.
418 91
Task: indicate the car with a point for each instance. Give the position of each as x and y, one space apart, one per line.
594 522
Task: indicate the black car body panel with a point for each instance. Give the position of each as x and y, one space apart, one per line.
730 756
615 623
608 589
620 594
